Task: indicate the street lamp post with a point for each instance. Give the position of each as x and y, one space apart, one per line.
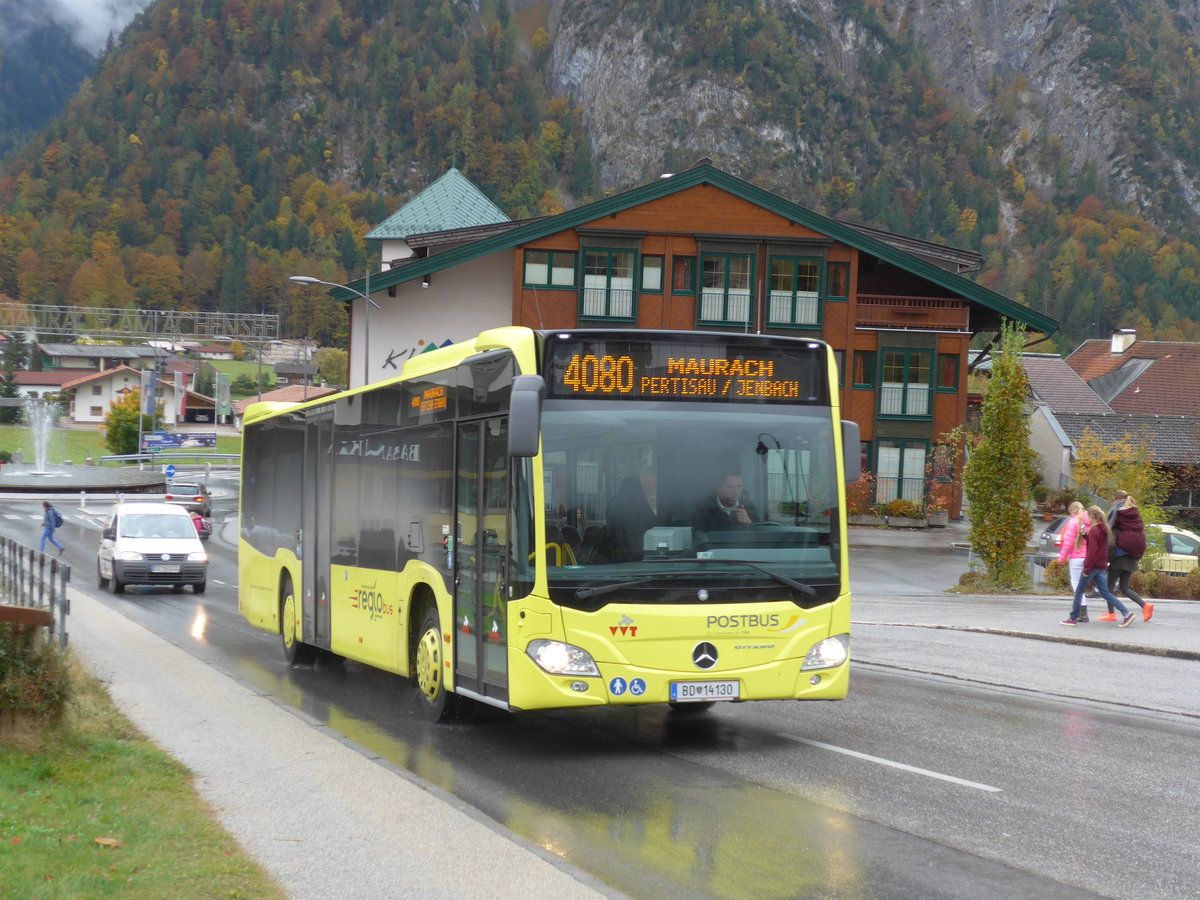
308 279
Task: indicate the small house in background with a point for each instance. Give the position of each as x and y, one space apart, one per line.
36 385
94 394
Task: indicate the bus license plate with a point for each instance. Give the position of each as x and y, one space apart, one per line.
704 691
164 569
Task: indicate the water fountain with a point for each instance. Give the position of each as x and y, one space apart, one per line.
42 416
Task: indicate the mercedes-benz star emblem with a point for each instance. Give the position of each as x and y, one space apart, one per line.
704 655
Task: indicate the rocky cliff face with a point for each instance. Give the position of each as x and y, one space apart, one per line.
1018 65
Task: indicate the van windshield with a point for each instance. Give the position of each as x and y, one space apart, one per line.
153 526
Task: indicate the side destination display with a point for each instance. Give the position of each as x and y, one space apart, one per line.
722 370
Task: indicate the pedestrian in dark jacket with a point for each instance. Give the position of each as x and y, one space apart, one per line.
1127 550
1095 568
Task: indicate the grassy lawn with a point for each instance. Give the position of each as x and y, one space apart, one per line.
98 811
80 444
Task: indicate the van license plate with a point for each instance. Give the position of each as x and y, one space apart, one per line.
704 691
164 570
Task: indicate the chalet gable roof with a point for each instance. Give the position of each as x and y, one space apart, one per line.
1057 385
450 202
1173 440
705 175
1149 377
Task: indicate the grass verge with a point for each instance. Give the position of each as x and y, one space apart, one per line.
80 444
91 808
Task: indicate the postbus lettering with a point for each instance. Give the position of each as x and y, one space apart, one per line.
745 620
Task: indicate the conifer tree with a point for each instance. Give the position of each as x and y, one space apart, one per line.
998 473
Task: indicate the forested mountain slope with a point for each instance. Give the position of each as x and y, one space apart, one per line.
222 146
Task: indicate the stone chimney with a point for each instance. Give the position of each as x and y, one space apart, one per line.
1122 340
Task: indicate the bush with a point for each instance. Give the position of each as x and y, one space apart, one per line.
1058 576
902 508
34 682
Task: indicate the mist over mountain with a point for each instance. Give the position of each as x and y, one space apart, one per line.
221 146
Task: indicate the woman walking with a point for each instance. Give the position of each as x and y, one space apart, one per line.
1074 550
1095 568
1129 546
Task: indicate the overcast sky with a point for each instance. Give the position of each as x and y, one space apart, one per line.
90 21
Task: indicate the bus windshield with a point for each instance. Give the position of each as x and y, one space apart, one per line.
689 503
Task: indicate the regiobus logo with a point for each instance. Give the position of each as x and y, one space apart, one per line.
371 601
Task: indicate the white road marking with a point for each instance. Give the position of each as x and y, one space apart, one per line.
895 765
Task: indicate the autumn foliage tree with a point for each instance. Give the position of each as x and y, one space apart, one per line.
999 471
121 423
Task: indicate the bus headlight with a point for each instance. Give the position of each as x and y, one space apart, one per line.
558 658
830 652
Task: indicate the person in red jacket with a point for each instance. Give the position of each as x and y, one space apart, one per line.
1128 548
1095 568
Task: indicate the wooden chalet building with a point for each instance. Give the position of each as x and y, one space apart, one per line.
698 250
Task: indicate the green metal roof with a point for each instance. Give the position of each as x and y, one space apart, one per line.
698 175
450 202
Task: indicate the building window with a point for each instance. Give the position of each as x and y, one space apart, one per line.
947 372
864 368
904 390
608 284
900 471
837 281
795 288
683 275
725 289
549 269
96 390
652 274
95 411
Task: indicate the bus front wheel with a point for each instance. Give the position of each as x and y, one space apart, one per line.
428 668
295 651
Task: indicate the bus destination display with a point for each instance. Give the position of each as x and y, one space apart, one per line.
635 370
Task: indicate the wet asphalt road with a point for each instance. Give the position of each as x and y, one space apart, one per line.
962 765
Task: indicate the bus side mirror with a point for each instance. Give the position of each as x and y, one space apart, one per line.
525 415
851 451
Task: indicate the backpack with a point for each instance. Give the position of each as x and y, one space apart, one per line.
56 517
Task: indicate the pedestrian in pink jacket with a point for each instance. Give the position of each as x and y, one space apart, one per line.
1074 549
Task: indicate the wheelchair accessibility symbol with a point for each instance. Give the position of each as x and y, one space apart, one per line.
637 687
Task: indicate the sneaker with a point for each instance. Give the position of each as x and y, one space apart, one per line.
1068 621
1083 616
61 550
1147 612
1125 621
1092 594
1109 617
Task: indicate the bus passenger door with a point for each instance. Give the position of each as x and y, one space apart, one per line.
481 545
313 537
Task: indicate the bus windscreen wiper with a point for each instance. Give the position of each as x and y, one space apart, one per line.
782 579
589 593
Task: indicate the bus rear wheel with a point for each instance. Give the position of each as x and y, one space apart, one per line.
428 668
295 651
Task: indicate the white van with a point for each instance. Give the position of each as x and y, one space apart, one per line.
151 543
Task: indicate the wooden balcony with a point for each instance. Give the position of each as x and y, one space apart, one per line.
933 313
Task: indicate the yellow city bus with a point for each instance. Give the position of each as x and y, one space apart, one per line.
556 519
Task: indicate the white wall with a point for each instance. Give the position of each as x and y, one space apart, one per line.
458 304
110 390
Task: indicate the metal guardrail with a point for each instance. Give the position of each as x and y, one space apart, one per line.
230 459
33 588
